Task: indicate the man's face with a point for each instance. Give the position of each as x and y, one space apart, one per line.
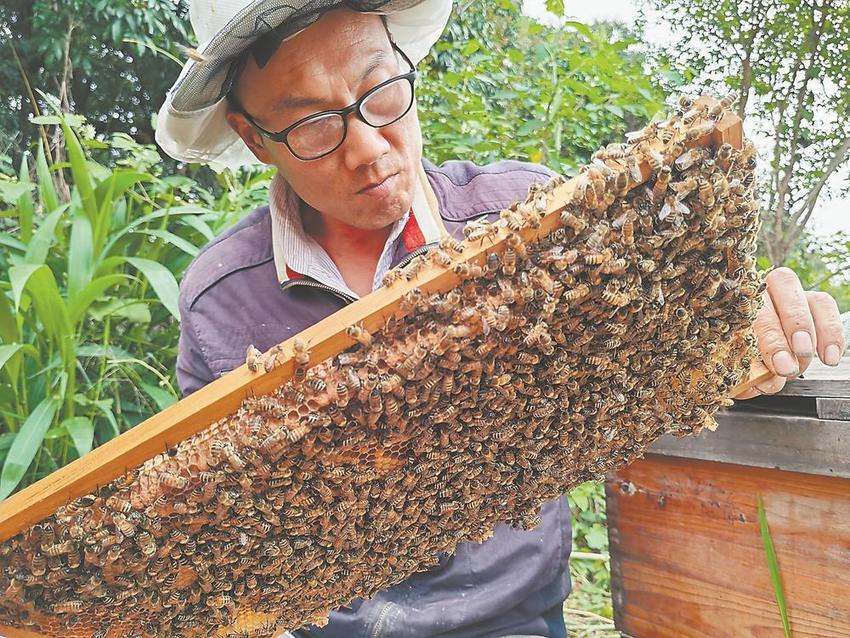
329 66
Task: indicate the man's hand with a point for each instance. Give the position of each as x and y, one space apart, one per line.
791 327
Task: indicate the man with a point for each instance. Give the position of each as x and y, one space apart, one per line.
327 97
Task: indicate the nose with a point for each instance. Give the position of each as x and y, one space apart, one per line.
364 145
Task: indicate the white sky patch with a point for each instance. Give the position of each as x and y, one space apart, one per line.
830 216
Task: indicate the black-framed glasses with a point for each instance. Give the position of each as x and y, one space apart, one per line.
320 134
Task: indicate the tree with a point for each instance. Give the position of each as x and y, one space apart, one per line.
498 85
788 59
104 58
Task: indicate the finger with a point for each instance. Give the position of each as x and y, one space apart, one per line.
789 301
774 347
830 332
770 386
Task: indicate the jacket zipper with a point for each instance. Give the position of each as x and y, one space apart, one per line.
346 297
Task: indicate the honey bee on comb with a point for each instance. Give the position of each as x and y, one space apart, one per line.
584 323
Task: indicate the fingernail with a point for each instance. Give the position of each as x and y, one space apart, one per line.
832 355
802 343
785 364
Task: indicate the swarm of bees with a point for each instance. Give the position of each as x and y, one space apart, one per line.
549 364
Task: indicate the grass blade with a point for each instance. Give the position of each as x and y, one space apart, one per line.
46 187
26 207
82 176
162 281
26 444
80 254
45 236
773 566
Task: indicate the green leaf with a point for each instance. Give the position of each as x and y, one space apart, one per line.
773 567
8 354
178 242
81 430
39 246
26 207
39 282
161 280
27 441
82 178
8 322
160 397
80 303
555 6
596 537
133 310
46 187
79 254
12 191
529 127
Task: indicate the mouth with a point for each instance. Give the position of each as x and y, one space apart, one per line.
378 186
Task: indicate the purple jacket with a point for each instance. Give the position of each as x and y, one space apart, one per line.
230 297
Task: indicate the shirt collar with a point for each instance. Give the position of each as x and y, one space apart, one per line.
297 255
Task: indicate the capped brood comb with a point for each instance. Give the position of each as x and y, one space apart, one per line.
544 350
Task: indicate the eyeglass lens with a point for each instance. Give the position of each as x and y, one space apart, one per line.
323 134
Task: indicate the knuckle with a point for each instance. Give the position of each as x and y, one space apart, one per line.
782 275
820 297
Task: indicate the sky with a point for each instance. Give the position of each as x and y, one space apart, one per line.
829 217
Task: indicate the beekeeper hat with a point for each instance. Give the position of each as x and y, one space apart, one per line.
191 125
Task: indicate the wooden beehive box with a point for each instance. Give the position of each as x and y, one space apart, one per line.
686 552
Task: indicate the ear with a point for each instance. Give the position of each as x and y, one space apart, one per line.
253 140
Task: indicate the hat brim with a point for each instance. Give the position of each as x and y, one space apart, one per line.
191 125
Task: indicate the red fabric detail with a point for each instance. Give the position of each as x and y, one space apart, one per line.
411 234
291 274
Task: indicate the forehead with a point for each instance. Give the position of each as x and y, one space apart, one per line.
338 46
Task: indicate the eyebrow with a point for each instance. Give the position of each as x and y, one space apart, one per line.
302 102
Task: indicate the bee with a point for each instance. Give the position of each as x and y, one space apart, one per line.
390 277
441 258
414 267
315 385
253 358
300 351
645 134
662 181
68 607
673 206
480 231
691 115
728 100
570 220
450 244
706 193
621 183
274 444
270 357
359 334
699 131
615 297
543 279
509 262
518 245
123 525
38 567
689 158
655 159
147 544
168 479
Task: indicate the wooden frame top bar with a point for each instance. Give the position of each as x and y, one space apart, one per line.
223 396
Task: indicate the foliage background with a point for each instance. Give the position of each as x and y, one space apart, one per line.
97 226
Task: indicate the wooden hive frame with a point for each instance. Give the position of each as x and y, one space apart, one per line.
222 397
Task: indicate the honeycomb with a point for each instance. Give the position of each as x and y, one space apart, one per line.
549 364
